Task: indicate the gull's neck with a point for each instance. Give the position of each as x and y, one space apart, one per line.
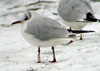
34 16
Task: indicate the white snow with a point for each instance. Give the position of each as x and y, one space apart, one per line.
18 55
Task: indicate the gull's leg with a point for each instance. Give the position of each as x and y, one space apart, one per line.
71 41
70 28
54 58
39 59
81 37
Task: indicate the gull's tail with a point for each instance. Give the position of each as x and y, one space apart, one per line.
80 31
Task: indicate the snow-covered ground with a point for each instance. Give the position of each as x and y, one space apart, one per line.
18 55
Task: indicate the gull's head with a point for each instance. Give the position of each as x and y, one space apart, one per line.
26 17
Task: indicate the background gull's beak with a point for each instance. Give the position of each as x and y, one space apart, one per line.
16 22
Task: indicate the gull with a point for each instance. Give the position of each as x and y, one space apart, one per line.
76 13
42 31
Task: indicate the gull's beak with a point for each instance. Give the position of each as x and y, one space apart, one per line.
16 22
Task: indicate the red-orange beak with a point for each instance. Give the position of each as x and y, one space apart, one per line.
16 22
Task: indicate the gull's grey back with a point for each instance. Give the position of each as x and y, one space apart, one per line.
74 10
45 28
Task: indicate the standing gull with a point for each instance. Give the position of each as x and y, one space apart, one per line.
76 13
43 32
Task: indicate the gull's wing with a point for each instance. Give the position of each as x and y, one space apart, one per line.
74 10
45 29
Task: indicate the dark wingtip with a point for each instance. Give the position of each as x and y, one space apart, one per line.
80 31
99 20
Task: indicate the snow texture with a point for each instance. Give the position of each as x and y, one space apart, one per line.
18 55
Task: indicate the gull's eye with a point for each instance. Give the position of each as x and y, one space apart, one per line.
27 16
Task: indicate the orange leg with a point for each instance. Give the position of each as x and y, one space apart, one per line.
81 37
70 28
70 40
